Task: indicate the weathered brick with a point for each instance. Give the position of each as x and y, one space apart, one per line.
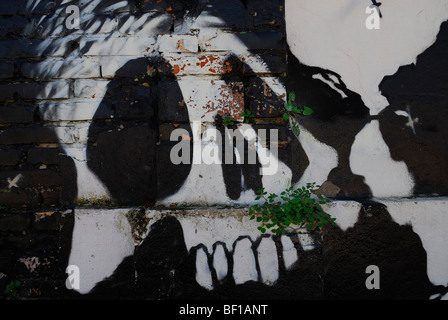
35 48
146 23
264 109
51 198
155 5
208 98
29 179
231 13
43 155
10 157
177 43
123 67
6 70
267 89
11 26
207 64
89 88
165 130
27 135
124 46
265 63
171 101
76 110
23 7
35 90
16 114
60 69
19 200
170 6
103 7
134 102
48 220
14 221
267 13
241 41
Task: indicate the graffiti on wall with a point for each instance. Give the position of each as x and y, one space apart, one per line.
116 83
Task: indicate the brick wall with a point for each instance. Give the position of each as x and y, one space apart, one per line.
54 80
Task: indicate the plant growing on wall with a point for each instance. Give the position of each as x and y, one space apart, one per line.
247 114
11 288
292 111
294 206
228 121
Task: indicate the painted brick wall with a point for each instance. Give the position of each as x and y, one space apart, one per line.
87 177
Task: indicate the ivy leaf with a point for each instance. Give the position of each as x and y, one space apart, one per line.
285 116
292 96
296 130
307 111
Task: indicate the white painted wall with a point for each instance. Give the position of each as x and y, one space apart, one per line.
332 35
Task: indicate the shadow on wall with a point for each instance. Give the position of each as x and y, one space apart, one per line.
414 125
127 140
163 268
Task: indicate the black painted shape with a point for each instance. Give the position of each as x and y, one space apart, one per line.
377 5
336 120
375 239
245 176
162 268
421 90
122 149
238 177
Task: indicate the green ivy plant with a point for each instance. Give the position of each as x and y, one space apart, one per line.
292 111
228 121
247 114
294 206
11 288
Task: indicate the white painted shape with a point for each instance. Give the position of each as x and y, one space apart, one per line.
345 212
203 274
204 185
322 158
319 76
306 241
244 265
205 97
402 113
370 157
207 19
90 88
429 219
278 175
101 240
177 43
212 39
220 263
290 255
89 186
206 228
68 111
332 35
268 261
